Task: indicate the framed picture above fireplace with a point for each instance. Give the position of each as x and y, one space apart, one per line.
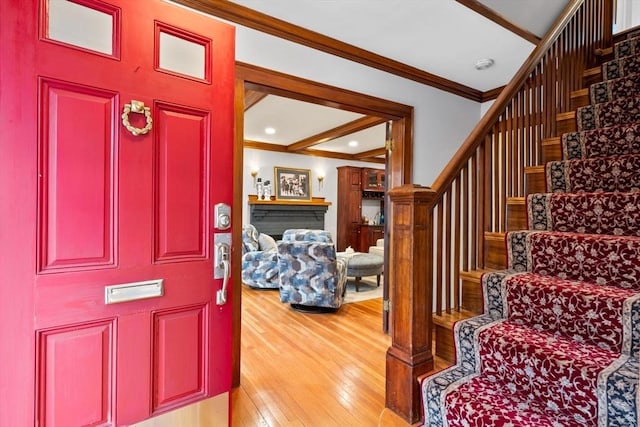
292 184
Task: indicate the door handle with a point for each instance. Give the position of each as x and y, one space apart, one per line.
222 255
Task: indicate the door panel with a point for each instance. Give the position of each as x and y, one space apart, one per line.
77 366
180 341
67 111
103 206
181 179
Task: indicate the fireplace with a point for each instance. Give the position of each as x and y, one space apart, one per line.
274 217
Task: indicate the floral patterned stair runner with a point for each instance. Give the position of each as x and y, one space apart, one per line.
615 173
614 89
628 47
612 113
559 341
604 142
621 67
593 213
530 350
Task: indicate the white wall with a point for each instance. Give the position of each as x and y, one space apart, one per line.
485 107
627 15
441 120
264 162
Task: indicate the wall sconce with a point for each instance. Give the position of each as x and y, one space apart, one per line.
254 174
320 181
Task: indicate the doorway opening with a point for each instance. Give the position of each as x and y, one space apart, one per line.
398 165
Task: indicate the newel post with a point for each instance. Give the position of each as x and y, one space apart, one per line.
411 278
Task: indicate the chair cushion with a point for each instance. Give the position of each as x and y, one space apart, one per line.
266 242
250 238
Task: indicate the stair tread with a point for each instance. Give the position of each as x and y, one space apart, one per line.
474 274
516 200
580 92
551 141
448 319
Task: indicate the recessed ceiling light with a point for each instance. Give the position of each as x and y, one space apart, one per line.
483 64
353 143
269 130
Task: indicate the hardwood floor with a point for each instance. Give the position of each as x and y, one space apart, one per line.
300 369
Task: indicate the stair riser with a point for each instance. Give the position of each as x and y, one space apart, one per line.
445 345
516 215
472 296
566 122
534 180
551 150
579 98
494 250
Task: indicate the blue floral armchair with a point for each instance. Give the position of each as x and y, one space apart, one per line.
259 259
311 275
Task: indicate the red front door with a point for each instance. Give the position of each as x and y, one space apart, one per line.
107 290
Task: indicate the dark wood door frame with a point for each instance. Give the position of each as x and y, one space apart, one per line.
400 164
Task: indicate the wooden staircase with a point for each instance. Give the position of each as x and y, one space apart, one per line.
444 237
516 219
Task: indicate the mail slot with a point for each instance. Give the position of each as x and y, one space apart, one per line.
114 294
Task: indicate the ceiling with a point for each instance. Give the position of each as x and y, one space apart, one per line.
442 37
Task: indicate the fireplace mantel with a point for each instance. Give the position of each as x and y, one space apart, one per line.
315 201
273 217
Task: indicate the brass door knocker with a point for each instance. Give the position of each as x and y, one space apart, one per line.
137 107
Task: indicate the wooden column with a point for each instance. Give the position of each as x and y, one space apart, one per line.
411 278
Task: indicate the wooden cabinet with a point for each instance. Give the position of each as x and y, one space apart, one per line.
351 190
373 180
349 210
369 235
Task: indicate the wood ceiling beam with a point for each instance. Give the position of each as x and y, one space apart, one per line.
294 87
337 132
252 97
276 27
257 145
490 14
371 153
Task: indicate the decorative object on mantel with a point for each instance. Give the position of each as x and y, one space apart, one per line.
260 189
292 184
267 190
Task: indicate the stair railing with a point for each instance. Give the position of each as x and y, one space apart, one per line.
468 199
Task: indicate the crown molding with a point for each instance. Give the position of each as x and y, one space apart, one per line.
276 27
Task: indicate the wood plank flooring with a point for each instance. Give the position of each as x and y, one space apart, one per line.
301 369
